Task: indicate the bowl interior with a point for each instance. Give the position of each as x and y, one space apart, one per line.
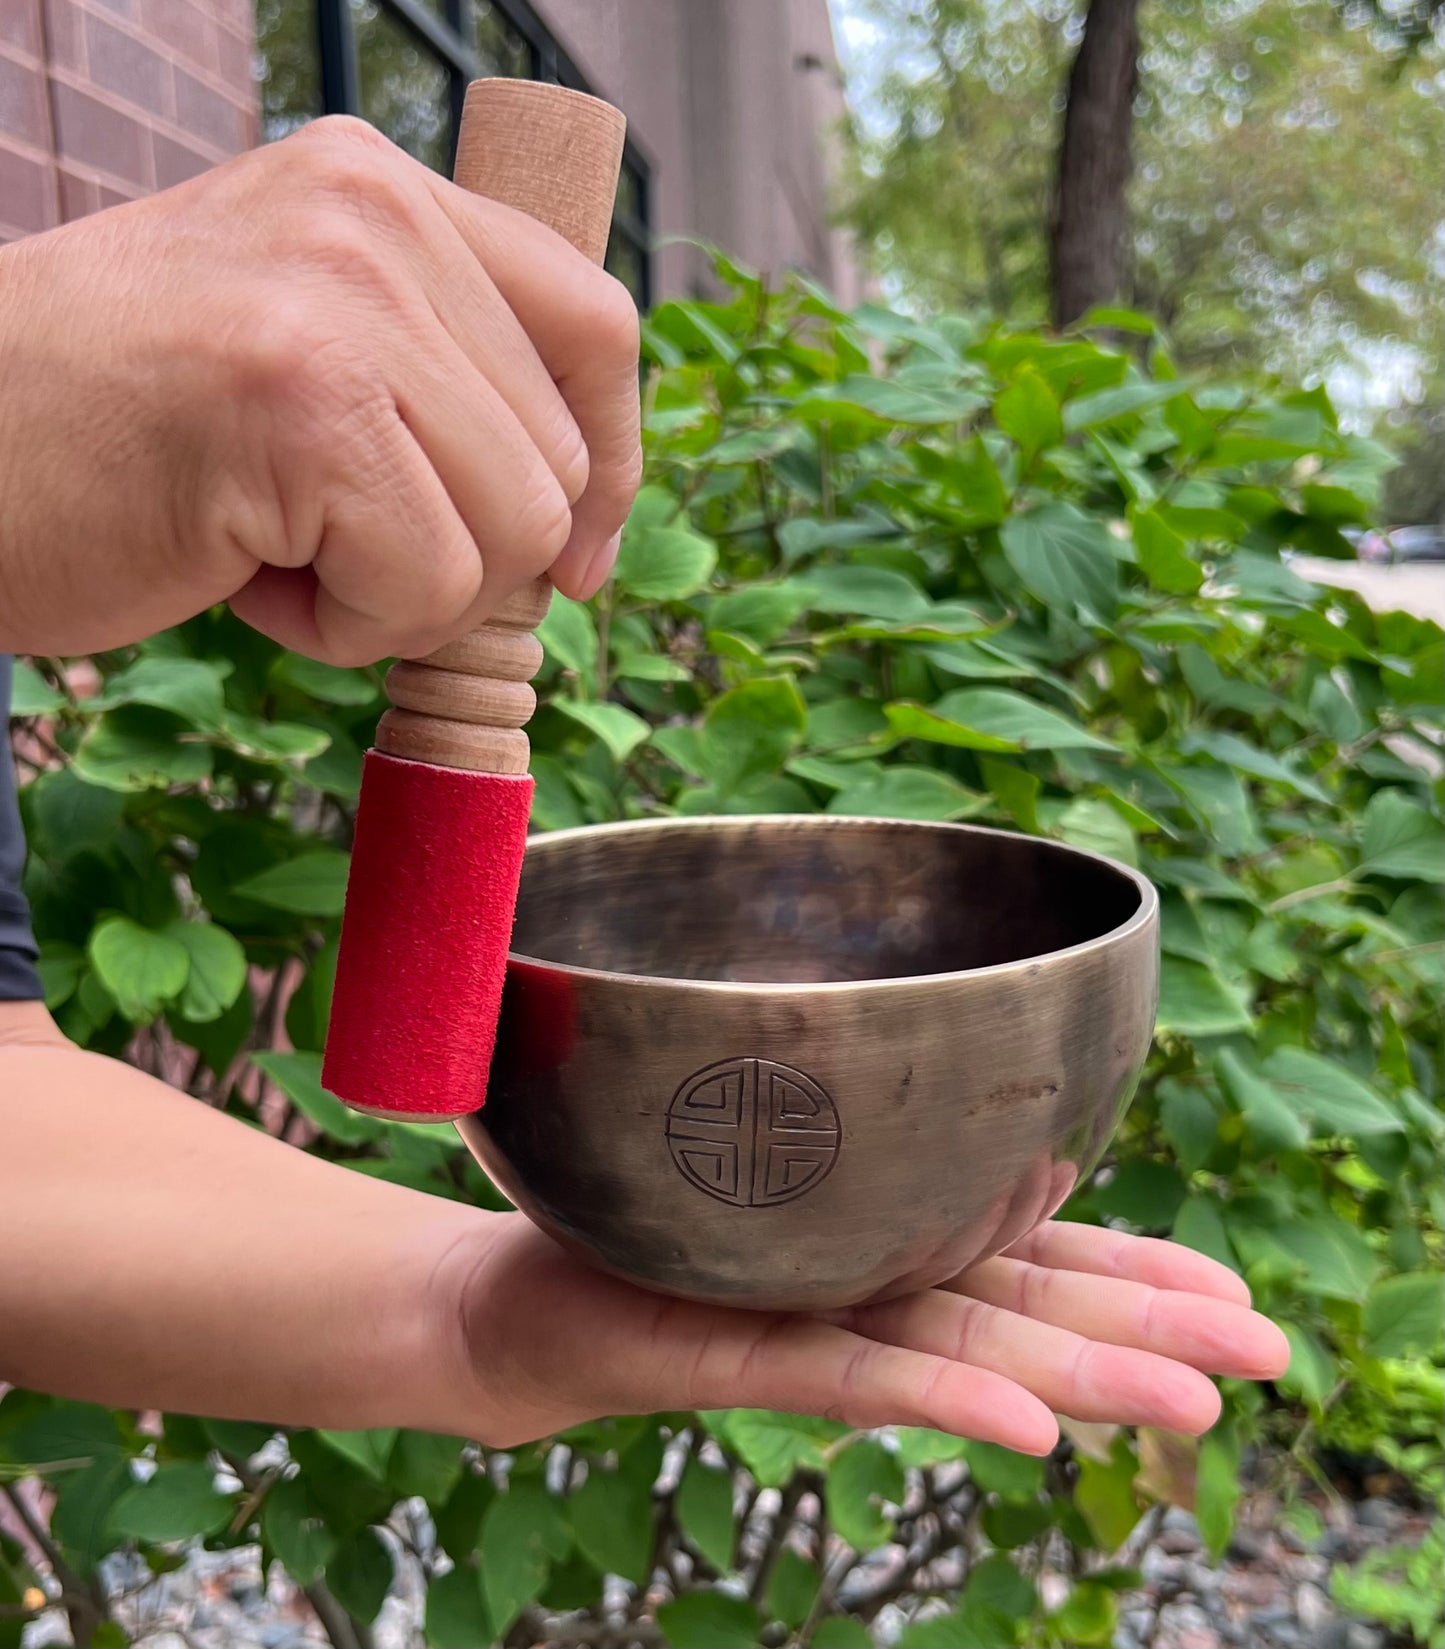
797 900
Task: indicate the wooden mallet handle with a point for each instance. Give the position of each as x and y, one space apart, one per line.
556 155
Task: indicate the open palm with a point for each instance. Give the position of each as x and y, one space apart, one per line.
1073 1320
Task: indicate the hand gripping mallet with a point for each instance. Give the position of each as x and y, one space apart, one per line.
442 821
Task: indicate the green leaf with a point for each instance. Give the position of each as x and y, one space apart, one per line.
1029 412
958 1629
978 486
1106 1496
240 1439
522 1532
1164 556
705 1510
282 742
425 1463
995 1583
661 558
1312 1372
142 969
906 793
1274 1125
1397 838
60 967
888 401
71 815
1147 1194
1194 1001
1324 1093
998 1470
649 667
369 1450
841 1632
751 730
570 637
1217 1488
619 728
1123 401
312 884
294 1529
792 1588
327 682
1190 1121
921 1446
761 612
65 1435
1010 1524
863 1477
1405 1315
555 805
1064 558
991 718
1095 826
141 749
772 1446
1089 1616
30 693
1260 764
612 1520
1200 1226
710 1620
298 1076
456 1611
1015 789
80 1517
865 592
189 687
1324 1255
459 1521
217 972
360 1575
178 1502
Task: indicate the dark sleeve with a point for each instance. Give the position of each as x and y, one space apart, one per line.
18 979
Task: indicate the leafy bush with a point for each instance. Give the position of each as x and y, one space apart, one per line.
930 571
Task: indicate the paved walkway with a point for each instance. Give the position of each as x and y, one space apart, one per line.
1417 588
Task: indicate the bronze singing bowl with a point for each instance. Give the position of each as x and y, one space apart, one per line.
797 1062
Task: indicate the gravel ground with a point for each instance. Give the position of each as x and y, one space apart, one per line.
1271 1591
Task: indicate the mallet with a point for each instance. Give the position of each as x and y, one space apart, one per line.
445 797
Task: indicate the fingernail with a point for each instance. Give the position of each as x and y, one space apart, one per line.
601 565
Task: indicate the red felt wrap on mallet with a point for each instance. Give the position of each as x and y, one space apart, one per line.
429 907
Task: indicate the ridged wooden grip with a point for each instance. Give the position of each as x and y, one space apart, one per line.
556 155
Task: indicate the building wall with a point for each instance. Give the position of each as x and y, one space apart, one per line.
105 100
735 103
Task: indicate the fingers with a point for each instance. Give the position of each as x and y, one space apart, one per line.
1103 1253
1208 1333
1072 1375
396 570
802 1365
584 326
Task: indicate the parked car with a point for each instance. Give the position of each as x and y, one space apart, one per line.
1402 544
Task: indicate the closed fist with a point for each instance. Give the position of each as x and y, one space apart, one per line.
321 383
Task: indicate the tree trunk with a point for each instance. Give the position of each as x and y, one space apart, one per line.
1086 235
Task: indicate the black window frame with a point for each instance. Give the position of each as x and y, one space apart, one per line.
450 39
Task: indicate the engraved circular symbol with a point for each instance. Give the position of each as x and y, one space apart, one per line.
753 1133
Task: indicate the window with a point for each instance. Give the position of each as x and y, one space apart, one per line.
404 66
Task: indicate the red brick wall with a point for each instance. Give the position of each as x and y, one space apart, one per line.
105 100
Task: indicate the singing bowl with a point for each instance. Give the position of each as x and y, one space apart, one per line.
804 1062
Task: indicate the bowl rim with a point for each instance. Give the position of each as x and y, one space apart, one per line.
1143 918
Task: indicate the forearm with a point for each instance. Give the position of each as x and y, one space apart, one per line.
160 1255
